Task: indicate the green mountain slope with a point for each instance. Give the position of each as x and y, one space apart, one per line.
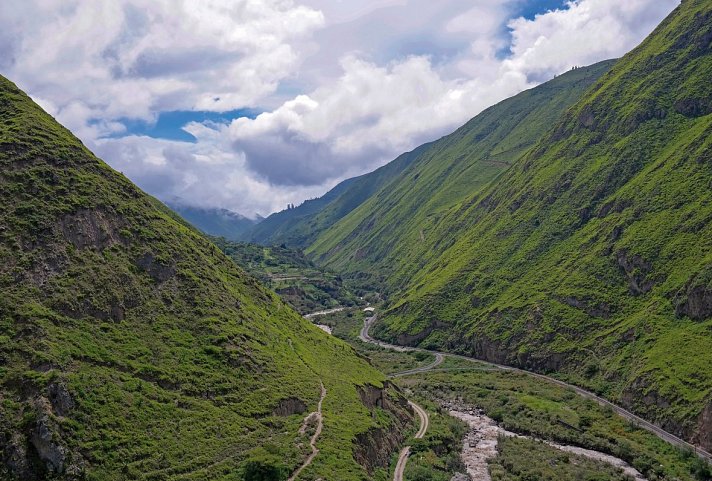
592 255
304 225
389 237
299 227
132 348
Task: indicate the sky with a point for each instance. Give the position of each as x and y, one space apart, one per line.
250 105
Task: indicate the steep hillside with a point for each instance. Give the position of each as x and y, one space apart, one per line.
388 237
217 222
131 348
592 255
299 227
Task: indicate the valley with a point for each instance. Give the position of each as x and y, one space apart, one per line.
527 297
550 414
303 285
563 232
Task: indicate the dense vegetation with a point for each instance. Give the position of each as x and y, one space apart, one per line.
298 281
436 457
132 348
526 460
591 256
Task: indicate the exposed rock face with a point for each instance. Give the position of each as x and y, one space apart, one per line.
92 229
697 304
589 306
637 271
413 339
159 271
373 449
39 451
289 407
703 437
60 399
16 459
639 398
45 441
507 352
372 396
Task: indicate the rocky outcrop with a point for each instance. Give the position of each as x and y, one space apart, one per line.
60 399
16 459
589 306
92 229
373 449
703 436
405 339
38 451
696 304
45 440
154 267
289 407
372 396
638 271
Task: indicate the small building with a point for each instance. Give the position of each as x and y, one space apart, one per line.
370 309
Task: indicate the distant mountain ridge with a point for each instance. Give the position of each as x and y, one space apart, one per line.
214 221
300 226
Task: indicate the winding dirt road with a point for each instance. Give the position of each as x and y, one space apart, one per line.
656 430
315 436
405 452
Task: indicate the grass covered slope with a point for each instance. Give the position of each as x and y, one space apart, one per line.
395 231
300 226
592 255
132 348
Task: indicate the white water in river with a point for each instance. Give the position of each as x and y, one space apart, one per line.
481 444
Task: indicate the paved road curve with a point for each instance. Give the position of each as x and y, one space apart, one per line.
658 431
405 452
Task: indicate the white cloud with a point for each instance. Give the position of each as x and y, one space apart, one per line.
134 58
372 113
349 86
586 32
206 173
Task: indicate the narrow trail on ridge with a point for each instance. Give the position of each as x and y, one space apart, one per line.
312 442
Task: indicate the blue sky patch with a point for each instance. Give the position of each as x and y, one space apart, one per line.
169 125
530 8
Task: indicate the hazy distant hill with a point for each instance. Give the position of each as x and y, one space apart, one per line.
218 222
